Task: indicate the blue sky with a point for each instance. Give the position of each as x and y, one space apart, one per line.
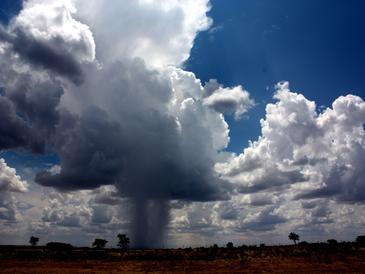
9 8
318 46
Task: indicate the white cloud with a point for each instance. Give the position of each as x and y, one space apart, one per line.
234 100
10 183
9 180
53 22
160 32
324 152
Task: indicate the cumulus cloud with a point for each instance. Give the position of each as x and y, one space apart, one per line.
9 180
101 215
134 121
8 209
265 220
46 35
322 152
234 100
66 210
102 86
10 183
160 32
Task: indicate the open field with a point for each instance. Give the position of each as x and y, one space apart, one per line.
313 258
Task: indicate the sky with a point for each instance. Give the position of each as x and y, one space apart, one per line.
179 122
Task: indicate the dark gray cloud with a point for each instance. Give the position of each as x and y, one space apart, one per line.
124 123
70 221
101 215
261 200
8 209
273 180
338 180
15 133
107 195
89 151
132 142
235 100
28 111
229 214
266 220
37 102
126 137
45 54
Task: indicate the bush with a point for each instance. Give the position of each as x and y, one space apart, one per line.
33 241
360 239
99 243
332 242
56 246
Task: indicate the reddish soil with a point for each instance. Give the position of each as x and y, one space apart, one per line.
310 258
261 265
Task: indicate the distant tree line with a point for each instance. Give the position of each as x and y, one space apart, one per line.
124 242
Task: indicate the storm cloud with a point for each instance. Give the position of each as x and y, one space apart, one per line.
142 143
127 122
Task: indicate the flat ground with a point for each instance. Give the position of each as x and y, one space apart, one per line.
315 259
196 266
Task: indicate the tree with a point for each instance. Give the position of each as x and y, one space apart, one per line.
360 239
57 246
123 241
33 241
215 247
332 242
294 237
229 245
99 243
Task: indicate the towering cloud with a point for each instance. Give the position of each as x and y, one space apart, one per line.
101 84
160 32
133 119
10 183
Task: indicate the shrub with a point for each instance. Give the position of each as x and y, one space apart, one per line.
332 242
123 241
57 246
294 237
33 241
360 239
99 243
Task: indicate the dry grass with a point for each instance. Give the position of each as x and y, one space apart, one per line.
287 265
281 259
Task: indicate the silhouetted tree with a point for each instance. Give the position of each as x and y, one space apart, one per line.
99 243
294 237
360 239
33 241
332 242
229 245
123 241
57 246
